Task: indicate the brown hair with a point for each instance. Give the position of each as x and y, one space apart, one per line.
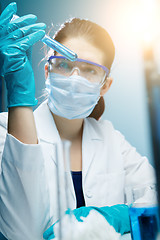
98 109
97 36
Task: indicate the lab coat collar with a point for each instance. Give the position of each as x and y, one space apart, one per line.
91 144
91 129
46 127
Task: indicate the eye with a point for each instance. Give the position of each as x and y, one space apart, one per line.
90 71
63 66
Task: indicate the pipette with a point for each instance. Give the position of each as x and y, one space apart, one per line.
58 47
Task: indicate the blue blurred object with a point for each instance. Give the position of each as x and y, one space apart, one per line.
0 95
144 223
2 237
153 91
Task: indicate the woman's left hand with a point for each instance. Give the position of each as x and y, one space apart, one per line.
116 215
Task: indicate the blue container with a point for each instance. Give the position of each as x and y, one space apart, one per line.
144 223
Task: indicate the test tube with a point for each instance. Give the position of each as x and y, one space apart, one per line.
59 196
67 171
66 157
58 47
63 186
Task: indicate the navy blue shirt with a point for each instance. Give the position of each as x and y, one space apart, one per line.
2 237
77 182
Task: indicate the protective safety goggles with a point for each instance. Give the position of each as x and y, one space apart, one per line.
93 72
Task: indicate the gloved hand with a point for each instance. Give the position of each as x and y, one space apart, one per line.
116 215
16 38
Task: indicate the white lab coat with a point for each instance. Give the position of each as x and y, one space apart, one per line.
28 174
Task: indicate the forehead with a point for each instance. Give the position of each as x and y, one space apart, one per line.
85 50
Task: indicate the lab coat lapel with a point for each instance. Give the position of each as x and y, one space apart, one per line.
47 132
46 128
91 142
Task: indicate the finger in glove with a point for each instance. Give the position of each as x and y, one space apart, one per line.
7 15
17 23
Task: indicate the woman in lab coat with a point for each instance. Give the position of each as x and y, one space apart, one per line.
107 163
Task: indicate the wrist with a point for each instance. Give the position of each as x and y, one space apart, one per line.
21 87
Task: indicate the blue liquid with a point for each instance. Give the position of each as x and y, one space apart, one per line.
59 48
144 223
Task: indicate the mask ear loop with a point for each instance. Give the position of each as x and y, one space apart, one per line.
49 66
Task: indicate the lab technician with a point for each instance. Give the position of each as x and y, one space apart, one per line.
103 163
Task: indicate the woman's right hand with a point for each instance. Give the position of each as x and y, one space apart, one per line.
16 38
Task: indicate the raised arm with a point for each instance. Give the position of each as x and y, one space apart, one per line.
16 40
21 124
24 200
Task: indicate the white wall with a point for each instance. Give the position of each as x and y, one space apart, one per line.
126 102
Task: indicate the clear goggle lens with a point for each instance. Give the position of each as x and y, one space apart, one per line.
92 72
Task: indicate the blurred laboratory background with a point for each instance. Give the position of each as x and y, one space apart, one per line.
135 29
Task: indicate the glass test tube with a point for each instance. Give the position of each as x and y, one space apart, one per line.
63 186
59 197
66 156
58 47
67 171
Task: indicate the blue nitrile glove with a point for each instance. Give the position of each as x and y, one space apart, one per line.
117 216
16 39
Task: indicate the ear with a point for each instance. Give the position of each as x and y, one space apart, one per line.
46 70
106 86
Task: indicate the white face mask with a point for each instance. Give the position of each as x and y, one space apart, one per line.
71 97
